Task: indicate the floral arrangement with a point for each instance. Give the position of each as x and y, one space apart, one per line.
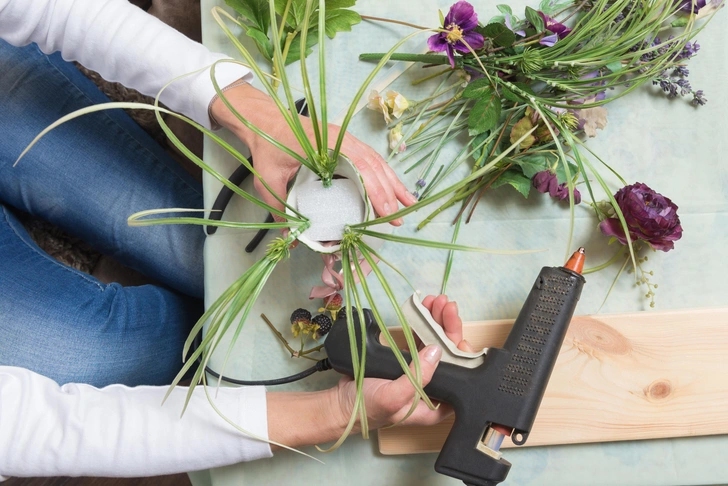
547 76
530 87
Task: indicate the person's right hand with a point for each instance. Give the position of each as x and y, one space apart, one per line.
300 419
388 401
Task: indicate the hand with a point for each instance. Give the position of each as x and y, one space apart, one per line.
383 187
387 402
299 419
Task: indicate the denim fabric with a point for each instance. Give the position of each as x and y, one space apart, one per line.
87 177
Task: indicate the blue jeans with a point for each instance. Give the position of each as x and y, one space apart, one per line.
87 177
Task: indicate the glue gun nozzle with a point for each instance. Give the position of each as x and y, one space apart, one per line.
576 262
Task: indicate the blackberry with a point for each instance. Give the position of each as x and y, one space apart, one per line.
300 315
324 323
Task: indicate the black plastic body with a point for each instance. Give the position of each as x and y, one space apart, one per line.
506 389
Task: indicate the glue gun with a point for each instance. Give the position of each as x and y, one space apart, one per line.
495 393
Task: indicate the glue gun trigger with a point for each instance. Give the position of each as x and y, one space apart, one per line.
429 332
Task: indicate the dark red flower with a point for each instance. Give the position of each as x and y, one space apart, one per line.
547 182
650 217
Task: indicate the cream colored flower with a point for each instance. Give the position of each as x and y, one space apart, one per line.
377 103
395 139
464 76
396 103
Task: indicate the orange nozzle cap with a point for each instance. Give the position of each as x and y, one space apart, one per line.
576 262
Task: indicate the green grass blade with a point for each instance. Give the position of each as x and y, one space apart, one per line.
415 378
451 255
135 220
448 190
440 245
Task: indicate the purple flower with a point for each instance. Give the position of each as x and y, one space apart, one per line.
698 98
521 32
650 217
460 23
547 182
549 40
687 6
556 27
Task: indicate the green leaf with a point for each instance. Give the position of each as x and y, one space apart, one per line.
504 9
615 66
498 19
512 96
336 4
255 11
485 114
681 22
261 41
499 34
294 52
340 20
550 6
478 89
477 140
519 182
535 19
561 173
532 164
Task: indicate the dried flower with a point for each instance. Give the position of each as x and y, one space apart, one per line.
396 103
650 217
460 23
698 98
377 103
421 183
395 139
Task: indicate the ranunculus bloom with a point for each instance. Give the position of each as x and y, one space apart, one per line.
460 23
546 182
650 217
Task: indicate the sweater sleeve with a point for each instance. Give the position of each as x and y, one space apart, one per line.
79 430
124 44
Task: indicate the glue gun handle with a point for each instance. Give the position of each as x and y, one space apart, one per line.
381 362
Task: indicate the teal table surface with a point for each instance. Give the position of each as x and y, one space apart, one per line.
678 150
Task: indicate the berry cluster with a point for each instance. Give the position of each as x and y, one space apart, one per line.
303 323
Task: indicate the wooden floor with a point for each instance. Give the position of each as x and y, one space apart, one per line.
175 480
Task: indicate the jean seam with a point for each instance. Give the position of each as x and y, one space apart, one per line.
75 272
114 123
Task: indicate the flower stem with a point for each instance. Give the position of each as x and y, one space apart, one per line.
391 21
605 264
431 76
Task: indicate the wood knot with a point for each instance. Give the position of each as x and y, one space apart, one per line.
658 390
591 334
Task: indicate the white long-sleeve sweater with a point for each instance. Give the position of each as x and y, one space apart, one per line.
75 430
79 430
122 43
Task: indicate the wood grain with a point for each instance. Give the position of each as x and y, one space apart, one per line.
618 377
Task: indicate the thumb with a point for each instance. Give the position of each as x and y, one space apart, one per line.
401 390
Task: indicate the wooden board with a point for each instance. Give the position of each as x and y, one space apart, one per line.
618 377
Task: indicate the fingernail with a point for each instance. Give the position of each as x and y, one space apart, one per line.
411 197
466 344
398 222
387 209
433 353
457 309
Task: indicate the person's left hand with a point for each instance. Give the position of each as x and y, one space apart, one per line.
383 187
